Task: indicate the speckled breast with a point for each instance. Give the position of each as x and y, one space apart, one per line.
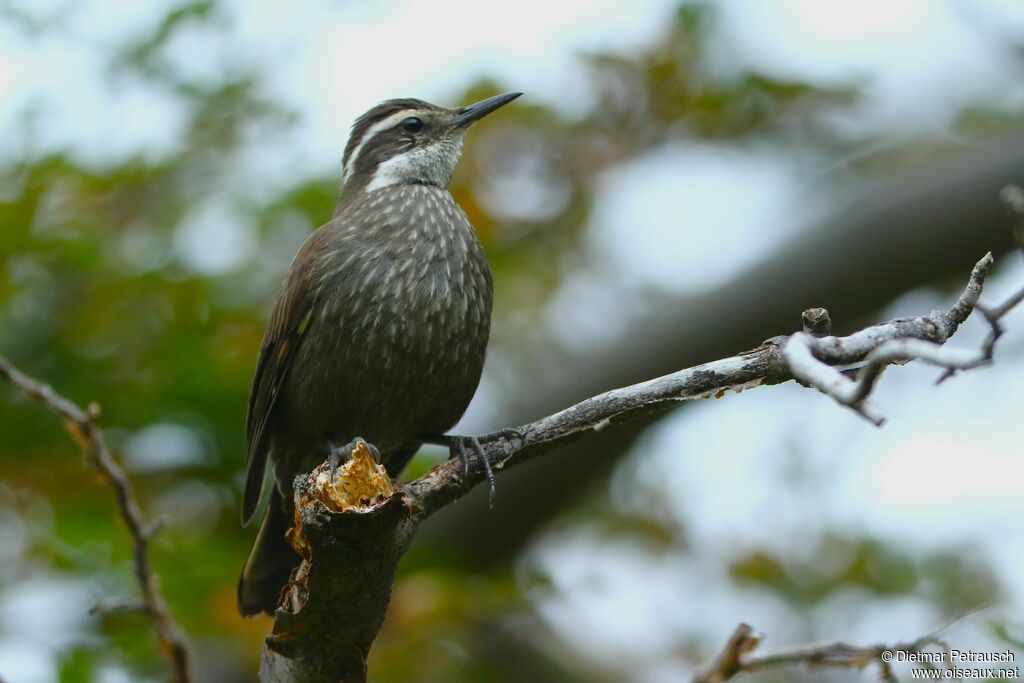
403 296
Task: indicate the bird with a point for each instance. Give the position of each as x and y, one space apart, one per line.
379 330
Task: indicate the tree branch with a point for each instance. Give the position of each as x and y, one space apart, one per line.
735 657
810 359
349 590
802 356
927 220
83 428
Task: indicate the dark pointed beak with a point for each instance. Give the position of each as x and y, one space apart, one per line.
475 112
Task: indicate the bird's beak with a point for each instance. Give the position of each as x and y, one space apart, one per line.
475 112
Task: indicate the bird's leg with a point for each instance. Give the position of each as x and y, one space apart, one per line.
460 447
338 456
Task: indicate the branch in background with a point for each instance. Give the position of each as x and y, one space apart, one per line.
83 428
335 602
735 657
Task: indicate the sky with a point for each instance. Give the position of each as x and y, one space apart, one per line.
909 481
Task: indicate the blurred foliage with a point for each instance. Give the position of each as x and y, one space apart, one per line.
952 582
100 296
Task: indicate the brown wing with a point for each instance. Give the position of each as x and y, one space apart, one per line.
291 318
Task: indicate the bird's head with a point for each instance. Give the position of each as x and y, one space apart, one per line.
409 141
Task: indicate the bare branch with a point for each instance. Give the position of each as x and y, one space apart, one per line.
309 643
812 360
83 428
736 658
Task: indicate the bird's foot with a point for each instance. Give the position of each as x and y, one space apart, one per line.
509 434
463 447
339 455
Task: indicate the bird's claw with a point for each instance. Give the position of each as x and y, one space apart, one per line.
338 456
463 447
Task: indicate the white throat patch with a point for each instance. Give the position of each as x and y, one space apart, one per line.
432 164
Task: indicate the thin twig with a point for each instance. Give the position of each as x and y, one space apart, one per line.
811 358
735 657
82 427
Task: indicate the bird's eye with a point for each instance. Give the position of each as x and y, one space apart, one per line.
412 125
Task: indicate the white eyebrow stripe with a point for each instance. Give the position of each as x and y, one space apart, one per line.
387 123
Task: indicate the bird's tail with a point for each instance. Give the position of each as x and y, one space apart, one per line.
270 562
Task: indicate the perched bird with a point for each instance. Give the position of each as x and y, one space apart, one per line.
380 328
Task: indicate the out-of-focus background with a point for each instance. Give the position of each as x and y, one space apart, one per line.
680 181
